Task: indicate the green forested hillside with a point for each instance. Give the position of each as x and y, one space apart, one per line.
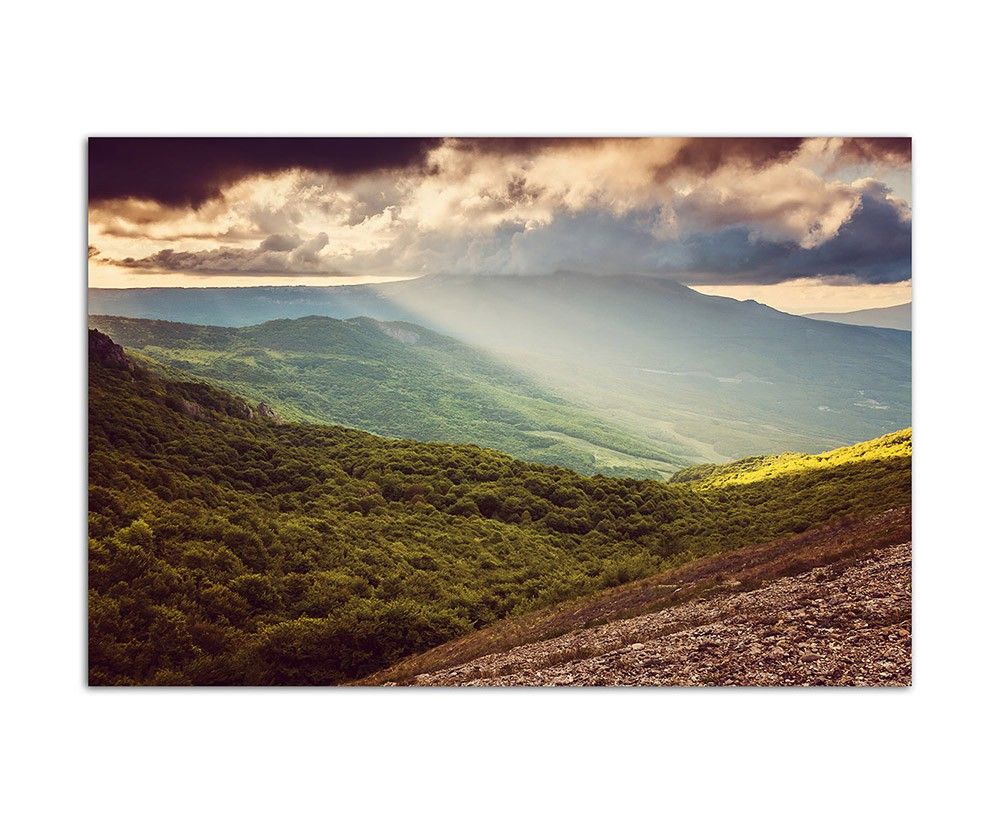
400 380
230 548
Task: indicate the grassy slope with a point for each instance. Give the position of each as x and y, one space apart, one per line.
896 445
228 551
399 380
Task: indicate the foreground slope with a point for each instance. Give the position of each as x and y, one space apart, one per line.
400 380
720 377
831 607
229 547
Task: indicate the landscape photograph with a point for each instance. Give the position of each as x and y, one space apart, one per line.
499 411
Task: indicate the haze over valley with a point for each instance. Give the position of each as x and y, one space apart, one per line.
695 378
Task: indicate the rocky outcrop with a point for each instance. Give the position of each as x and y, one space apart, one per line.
186 407
265 411
104 351
243 410
834 626
230 406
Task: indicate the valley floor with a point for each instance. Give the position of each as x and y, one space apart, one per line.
846 622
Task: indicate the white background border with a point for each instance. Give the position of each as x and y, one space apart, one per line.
513 68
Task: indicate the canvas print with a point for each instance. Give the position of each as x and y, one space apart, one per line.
458 411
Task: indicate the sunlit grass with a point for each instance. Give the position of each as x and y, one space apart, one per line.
753 470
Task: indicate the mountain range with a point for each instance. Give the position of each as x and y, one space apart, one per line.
704 379
888 317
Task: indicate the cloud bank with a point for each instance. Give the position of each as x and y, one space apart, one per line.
710 210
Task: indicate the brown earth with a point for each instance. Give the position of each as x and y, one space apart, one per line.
829 607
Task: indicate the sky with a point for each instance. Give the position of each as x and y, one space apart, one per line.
802 224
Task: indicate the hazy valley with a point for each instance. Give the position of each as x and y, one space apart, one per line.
705 379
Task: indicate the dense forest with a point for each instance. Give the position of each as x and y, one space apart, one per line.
228 546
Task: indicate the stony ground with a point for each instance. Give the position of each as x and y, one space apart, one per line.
834 625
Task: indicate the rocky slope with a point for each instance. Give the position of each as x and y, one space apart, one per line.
824 627
845 622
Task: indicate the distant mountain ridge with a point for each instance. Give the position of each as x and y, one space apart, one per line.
888 317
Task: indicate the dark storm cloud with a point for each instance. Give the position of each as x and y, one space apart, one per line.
280 257
893 151
307 254
873 246
279 243
700 155
705 155
518 145
188 171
